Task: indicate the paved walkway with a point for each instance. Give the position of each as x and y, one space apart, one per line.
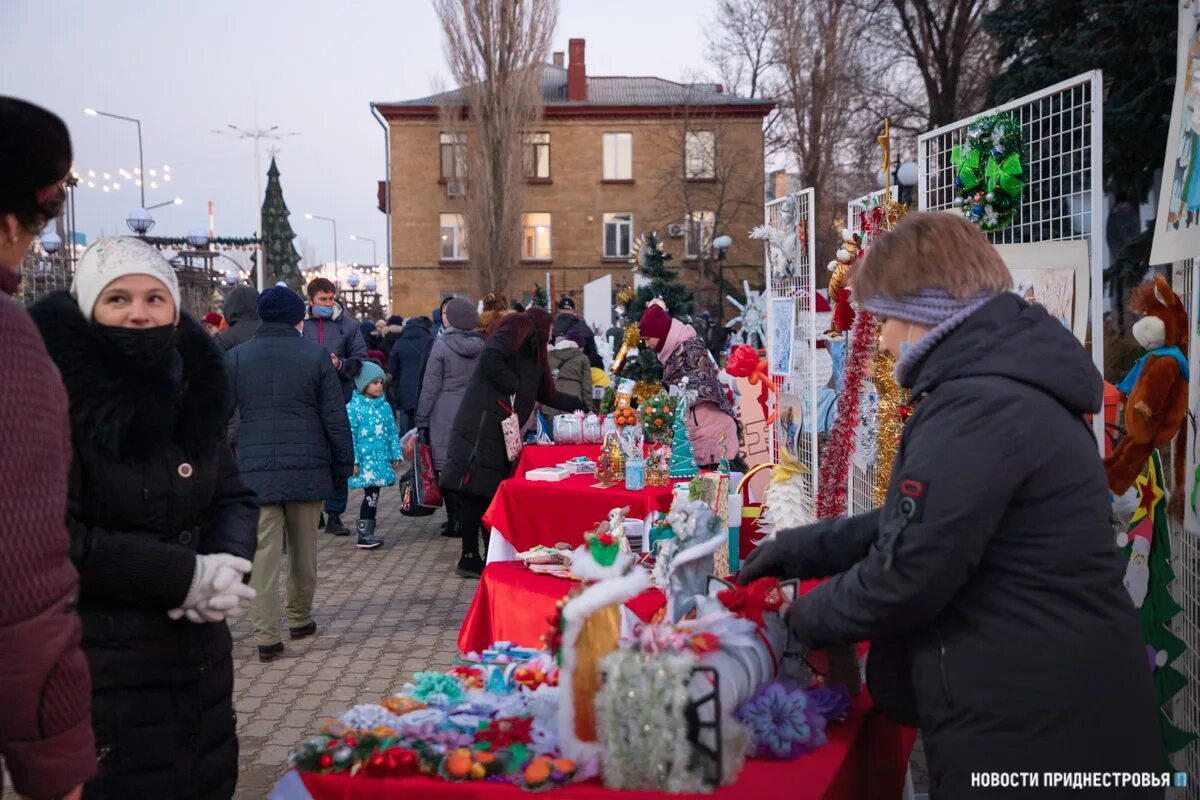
381 616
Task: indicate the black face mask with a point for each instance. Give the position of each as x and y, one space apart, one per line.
147 343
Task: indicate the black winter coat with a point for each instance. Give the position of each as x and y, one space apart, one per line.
293 437
569 322
241 312
404 363
1001 596
477 460
153 483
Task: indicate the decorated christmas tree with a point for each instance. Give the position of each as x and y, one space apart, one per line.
683 463
539 297
283 262
662 283
1147 546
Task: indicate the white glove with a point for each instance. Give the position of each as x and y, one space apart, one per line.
232 604
216 575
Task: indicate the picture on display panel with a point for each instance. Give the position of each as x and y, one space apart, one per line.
1177 228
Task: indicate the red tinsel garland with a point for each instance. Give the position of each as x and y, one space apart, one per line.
839 449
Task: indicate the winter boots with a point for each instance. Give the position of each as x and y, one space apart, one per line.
366 535
333 524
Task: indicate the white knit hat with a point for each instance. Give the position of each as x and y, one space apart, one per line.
114 257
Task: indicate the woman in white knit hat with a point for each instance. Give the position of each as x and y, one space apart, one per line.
162 529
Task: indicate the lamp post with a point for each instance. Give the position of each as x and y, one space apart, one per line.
141 163
178 201
365 239
721 244
140 221
336 266
904 175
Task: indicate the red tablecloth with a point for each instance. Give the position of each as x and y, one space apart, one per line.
865 758
528 513
514 605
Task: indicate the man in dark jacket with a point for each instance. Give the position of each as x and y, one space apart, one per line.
294 447
327 324
989 580
395 326
241 314
569 320
45 721
404 367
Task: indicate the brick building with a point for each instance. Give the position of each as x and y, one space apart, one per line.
613 157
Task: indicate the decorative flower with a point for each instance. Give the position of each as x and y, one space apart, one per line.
782 722
751 602
436 688
831 702
471 677
505 732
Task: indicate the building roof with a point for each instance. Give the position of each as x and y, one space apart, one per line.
609 91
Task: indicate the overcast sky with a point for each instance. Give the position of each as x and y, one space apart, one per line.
310 66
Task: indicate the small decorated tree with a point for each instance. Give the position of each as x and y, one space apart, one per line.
683 462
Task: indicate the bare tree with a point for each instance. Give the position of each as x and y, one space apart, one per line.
496 50
952 58
708 176
308 253
739 39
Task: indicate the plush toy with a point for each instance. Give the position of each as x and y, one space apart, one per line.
1157 386
839 282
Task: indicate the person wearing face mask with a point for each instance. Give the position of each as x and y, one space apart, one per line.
46 739
162 528
988 583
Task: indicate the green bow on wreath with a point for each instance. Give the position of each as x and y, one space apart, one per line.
988 172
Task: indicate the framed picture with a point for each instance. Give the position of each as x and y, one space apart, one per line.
783 327
1055 276
1177 227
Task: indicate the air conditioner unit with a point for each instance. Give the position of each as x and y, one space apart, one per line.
677 230
456 187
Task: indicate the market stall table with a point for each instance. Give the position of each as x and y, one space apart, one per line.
525 513
866 758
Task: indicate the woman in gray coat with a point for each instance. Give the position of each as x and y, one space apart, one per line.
447 372
988 582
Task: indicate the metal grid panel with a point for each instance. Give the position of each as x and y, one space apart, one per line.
861 477
1185 551
794 276
1064 179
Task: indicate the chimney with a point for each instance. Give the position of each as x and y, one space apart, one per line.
781 183
576 73
558 58
720 88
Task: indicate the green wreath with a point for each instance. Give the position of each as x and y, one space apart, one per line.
988 172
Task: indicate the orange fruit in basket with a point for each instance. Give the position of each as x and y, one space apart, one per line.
538 772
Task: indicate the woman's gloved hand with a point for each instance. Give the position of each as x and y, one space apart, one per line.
216 589
766 561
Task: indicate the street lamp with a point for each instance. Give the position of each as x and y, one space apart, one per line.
51 242
232 277
198 237
141 164
178 201
721 244
336 269
374 261
140 221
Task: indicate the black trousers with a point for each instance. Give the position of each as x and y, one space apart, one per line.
466 514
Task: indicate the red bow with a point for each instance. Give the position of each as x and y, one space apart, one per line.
744 362
751 602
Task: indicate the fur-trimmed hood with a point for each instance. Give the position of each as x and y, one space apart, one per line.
126 408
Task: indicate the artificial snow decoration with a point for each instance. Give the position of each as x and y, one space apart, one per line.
786 500
781 249
752 321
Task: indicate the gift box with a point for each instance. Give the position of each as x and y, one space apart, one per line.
551 474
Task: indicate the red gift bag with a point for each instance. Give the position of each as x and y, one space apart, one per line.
749 533
425 482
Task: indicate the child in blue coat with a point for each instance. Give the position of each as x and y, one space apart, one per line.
376 447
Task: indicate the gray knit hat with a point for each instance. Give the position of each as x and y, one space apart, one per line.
461 314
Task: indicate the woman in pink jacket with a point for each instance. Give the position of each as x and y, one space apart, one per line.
684 355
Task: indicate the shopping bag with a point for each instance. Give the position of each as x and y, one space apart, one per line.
425 481
409 506
750 513
510 426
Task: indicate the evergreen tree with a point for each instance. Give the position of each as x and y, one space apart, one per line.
664 283
683 461
539 297
283 262
1041 42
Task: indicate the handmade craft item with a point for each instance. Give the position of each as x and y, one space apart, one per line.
988 172
839 282
745 362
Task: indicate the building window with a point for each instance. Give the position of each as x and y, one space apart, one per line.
535 239
699 233
618 230
618 156
701 147
454 155
535 154
454 237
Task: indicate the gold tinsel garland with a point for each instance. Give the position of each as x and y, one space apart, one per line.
889 425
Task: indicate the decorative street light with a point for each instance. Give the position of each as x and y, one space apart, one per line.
720 245
336 265
178 201
140 221
371 285
232 277
198 237
365 239
141 164
353 280
51 242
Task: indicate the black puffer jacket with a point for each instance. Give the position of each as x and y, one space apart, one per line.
404 363
152 484
293 435
477 459
1002 596
241 312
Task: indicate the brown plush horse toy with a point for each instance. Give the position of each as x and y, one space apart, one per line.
1157 386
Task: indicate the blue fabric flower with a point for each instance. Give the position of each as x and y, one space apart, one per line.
783 724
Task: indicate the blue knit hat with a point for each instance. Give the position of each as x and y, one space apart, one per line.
280 304
369 373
